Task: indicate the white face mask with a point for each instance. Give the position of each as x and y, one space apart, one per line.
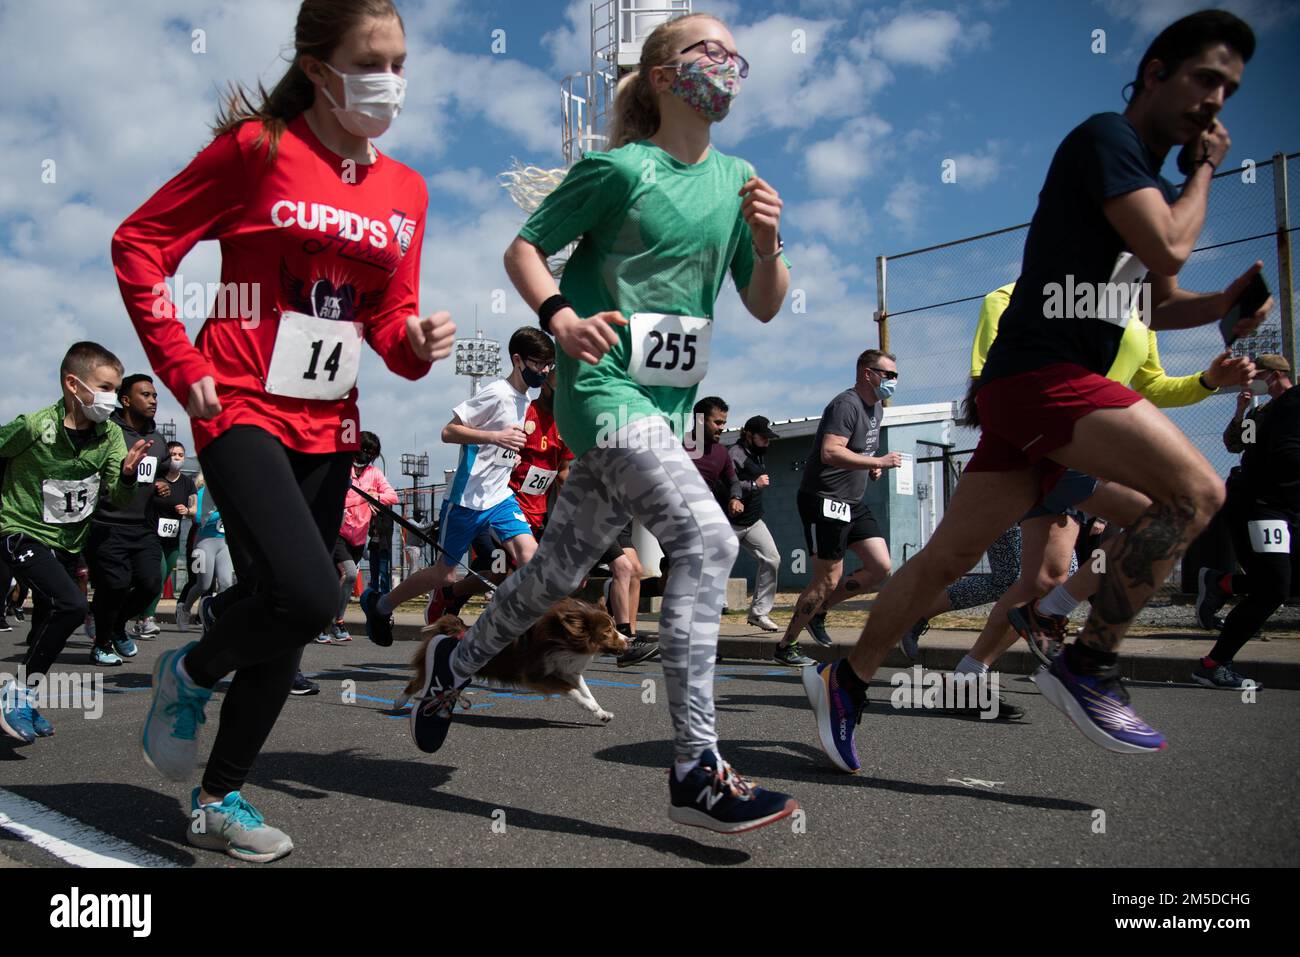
370 101
1258 386
102 404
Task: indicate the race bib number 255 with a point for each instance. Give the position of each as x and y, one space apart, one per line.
669 350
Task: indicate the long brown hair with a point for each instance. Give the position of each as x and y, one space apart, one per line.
636 111
320 29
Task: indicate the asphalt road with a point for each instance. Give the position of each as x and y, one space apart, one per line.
536 782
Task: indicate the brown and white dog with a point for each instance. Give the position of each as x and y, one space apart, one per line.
549 658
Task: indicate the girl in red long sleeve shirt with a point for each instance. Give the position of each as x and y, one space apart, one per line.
320 239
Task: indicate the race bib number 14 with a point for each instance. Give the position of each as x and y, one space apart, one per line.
314 358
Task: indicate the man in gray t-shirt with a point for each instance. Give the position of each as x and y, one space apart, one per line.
831 511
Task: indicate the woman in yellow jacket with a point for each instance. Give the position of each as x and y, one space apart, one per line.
1047 533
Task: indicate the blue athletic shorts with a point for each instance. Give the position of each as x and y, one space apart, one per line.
459 526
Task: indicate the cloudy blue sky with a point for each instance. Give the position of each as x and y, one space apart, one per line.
853 132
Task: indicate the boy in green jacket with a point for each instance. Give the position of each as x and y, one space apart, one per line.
61 460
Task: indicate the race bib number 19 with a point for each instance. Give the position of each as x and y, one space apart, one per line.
314 358
669 350
1270 536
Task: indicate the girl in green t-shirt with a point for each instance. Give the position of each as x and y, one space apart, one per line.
659 221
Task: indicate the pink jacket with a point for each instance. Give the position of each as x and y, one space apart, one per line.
356 510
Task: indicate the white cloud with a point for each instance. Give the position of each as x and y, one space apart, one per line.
904 204
831 218
1152 16
979 169
839 164
927 38
470 185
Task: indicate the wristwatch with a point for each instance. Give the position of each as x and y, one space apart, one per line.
760 257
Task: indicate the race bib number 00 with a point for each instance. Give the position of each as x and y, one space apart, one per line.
168 527
68 501
314 358
835 510
669 350
147 469
1269 536
537 481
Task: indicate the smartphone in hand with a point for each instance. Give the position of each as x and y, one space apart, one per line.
1252 297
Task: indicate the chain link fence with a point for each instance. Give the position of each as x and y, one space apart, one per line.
929 300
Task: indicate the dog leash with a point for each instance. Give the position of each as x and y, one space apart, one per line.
422 535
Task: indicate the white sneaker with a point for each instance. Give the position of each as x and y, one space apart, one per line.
763 621
182 617
149 628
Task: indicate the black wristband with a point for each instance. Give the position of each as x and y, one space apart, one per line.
547 310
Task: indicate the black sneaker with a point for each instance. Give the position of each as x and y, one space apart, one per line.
1209 599
1045 634
207 614
817 628
17 612
715 797
303 686
1006 711
792 656
638 650
379 627
4 625
433 709
1222 676
911 642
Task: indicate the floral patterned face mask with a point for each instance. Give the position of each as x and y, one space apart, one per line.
708 87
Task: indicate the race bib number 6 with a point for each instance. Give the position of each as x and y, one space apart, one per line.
68 501
835 510
314 358
537 481
669 350
1269 536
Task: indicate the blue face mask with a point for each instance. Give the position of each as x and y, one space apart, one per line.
886 387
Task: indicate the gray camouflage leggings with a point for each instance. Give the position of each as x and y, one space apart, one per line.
648 476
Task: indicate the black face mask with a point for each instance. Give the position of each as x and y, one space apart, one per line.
361 462
534 380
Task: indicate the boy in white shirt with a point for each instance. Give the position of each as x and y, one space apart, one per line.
489 429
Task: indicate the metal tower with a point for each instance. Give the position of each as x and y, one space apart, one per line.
618 28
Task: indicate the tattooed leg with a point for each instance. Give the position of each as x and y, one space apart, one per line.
825 576
1140 562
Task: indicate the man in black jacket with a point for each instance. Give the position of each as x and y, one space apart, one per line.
748 457
1263 510
123 552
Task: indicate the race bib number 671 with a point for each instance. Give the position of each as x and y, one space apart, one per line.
669 350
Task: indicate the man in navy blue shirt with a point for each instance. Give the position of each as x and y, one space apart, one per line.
1105 216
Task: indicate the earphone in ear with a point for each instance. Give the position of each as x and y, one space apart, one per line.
1162 74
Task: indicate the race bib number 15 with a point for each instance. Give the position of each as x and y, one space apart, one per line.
68 501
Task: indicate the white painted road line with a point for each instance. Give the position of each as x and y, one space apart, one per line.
69 840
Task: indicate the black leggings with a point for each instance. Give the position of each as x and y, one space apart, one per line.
58 606
282 510
1267 581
